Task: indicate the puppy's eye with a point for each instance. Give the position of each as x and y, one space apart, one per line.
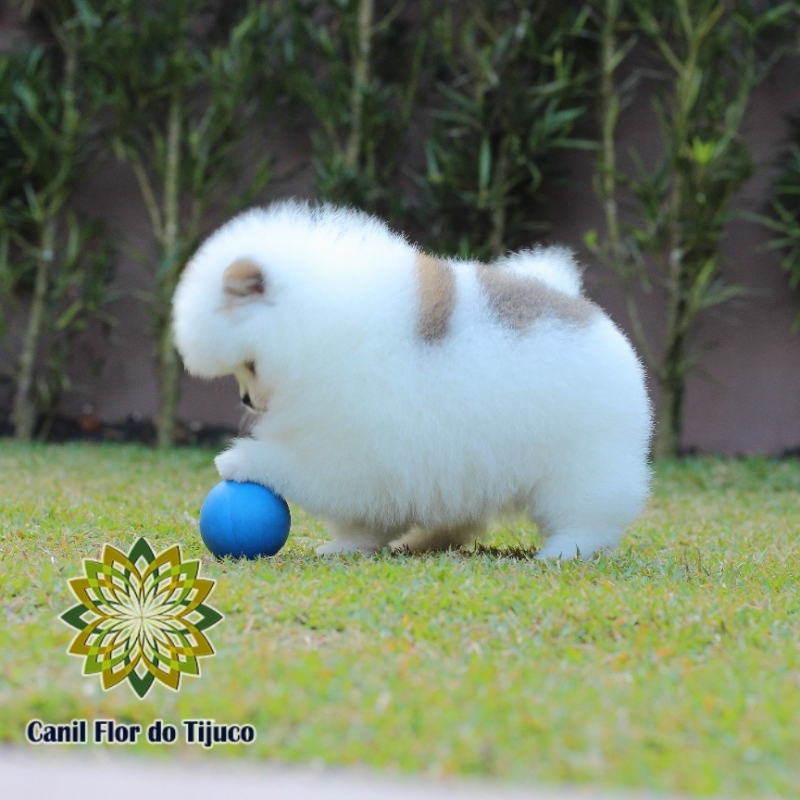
250 366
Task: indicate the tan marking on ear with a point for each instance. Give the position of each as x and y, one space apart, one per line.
436 285
517 301
242 279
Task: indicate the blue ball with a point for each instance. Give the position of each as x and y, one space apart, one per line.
244 520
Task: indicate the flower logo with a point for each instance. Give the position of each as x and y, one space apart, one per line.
141 617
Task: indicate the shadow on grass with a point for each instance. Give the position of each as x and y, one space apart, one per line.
513 552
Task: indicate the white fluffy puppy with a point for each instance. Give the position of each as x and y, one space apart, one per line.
409 399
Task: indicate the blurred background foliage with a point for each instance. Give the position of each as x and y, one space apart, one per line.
55 262
512 82
449 119
783 217
705 59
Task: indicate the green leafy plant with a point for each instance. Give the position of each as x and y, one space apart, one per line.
783 218
707 63
55 264
356 67
509 94
182 82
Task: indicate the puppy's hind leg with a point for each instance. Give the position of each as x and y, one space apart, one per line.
585 509
358 537
430 540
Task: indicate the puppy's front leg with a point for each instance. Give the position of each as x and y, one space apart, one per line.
243 461
359 537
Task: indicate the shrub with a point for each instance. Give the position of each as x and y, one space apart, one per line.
784 217
55 260
509 92
706 61
181 81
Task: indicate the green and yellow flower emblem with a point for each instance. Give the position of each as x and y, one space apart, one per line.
141 617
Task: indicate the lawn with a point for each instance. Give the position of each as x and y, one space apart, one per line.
672 664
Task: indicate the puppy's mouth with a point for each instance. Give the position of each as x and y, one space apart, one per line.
254 407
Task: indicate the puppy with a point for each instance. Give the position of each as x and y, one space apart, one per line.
408 399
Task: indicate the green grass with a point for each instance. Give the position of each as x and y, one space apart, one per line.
673 664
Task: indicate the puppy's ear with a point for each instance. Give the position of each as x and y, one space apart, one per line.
243 279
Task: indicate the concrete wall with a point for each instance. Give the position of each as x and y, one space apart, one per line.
744 397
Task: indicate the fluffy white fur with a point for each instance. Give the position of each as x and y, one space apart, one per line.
393 439
553 265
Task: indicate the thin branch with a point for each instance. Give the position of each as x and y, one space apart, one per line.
360 82
172 175
146 188
639 337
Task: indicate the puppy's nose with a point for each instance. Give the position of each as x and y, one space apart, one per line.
246 400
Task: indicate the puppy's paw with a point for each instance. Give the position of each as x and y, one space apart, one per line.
233 467
557 550
568 548
338 548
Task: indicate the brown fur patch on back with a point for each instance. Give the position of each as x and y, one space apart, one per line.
243 278
517 301
436 285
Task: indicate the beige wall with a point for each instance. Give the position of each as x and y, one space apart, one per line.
743 399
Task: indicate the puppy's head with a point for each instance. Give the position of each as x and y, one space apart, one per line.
264 297
223 316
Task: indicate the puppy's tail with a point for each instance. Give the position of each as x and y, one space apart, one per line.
555 266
